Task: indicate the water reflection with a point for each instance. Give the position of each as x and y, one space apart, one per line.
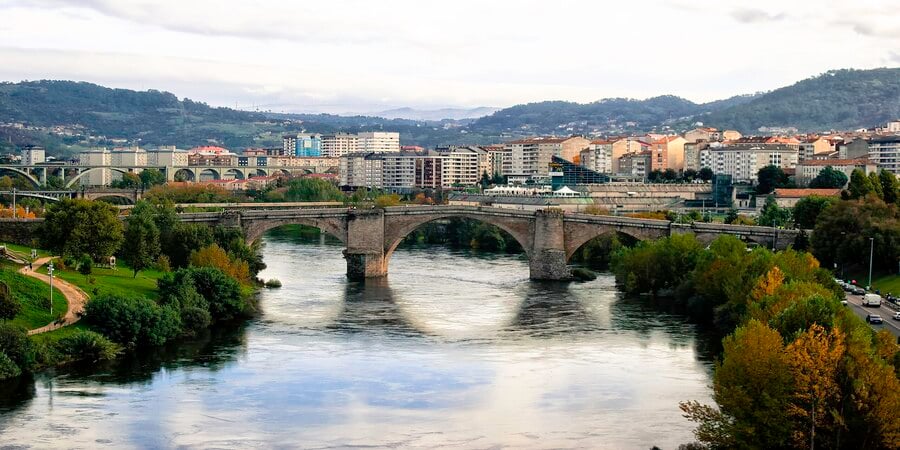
369 307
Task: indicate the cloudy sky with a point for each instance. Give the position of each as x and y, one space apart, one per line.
370 55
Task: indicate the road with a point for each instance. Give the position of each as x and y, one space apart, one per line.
886 313
75 297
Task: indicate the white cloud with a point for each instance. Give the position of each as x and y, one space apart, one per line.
362 55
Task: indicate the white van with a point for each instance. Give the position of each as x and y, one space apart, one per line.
871 300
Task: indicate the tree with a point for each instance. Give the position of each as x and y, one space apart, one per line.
875 181
860 185
73 227
128 181
312 190
844 229
214 256
706 174
770 177
9 306
485 180
655 176
890 188
670 175
142 236
133 321
386 200
773 215
829 178
808 209
689 175
814 360
221 292
732 216
185 238
152 177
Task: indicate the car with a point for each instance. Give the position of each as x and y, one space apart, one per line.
873 318
858 290
896 315
871 300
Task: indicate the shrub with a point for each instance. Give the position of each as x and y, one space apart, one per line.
214 256
87 345
8 369
133 321
387 200
194 319
273 283
15 344
9 306
204 287
163 264
85 264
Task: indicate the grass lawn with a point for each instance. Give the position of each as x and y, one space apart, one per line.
119 281
26 250
59 333
34 296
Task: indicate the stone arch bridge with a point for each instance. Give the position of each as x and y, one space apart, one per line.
549 237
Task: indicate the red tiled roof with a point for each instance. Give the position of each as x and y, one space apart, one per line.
796 193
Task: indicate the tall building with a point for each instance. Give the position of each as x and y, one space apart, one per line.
340 144
362 170
167 156
462 165
667 153
32 155
884 151
692 154
743 161
379 141
302 145
625 146
598 156
531 157
636 164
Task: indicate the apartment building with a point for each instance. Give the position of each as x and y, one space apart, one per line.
743 161
302 145
398 171
364 170
636 164
463 165
884 151
692 154
167 156
667 153
809 169
118 157
378 141
340 144
625 146
531 157
32 155
598 156
500 158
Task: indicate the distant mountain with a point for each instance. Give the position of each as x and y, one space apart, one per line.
66 116
839 99
437 115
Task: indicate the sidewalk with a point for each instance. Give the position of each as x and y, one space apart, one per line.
75 297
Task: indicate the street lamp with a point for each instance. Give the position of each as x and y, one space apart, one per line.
871 250
50 272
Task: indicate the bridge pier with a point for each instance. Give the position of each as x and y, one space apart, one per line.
547 260
365 244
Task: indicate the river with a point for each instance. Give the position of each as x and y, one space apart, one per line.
454 349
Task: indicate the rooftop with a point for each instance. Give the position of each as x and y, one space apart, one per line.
799 193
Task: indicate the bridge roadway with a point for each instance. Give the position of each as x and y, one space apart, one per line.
549 237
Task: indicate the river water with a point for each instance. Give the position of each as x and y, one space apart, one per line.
454 349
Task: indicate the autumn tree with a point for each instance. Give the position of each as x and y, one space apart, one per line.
214 256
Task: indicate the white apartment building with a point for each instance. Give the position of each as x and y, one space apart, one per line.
463 165
398 171
379 141
167 156
96 157
884 151
809 169
531 157
743 161
340 144
598 156
33 155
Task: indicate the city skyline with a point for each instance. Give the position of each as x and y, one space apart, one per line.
364 57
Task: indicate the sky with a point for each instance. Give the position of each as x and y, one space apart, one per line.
363 56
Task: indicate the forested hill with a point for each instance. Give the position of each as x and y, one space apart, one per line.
839 100
96 115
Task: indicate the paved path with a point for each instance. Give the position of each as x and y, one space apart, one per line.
74 297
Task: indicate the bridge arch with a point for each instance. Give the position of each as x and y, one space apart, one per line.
234 173
76 178
396 228
254 229
578 234
185 174
24 173
207 173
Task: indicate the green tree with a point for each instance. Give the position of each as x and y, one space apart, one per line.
312 190
773 215
9 305
875 181
132 321
386 200
731 216
860 185
670 175
54 182
14 343
128 181
689 175
890 188
73 227
829 178
843 230
221 292
152 177
706 174
808 209
142 236
770 177
655 176
185 238
488 237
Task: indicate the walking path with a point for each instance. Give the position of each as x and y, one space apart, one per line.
75 297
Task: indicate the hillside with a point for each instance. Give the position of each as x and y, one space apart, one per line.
840 99
66 116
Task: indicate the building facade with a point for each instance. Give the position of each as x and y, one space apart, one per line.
302 145
742 162
32 155
598 156
884 151
378 141
340 144
809 169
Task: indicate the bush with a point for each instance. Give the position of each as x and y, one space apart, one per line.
15 344
204 287
386 200
9 306
87 345
85 264
163 264
133 321
194 319
273 283
8 369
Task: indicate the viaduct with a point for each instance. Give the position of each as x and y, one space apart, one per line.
549 237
